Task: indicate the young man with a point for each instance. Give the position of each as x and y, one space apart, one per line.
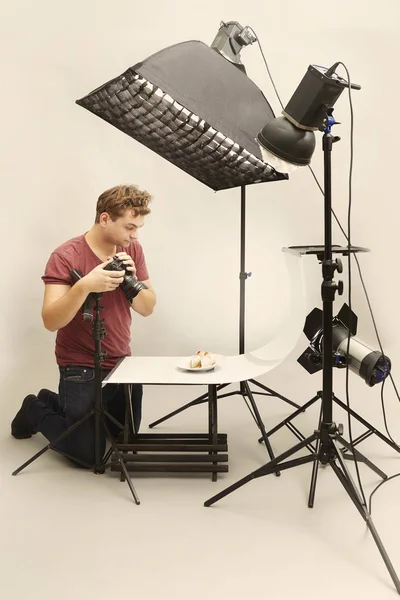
120 214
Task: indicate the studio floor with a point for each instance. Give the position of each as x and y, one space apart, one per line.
69 534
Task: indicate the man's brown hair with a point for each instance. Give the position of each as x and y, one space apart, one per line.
118 199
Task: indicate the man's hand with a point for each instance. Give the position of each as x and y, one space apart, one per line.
128 261
99 280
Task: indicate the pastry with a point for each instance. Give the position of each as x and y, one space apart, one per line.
195 362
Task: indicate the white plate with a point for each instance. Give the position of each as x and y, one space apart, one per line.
185 364
197 369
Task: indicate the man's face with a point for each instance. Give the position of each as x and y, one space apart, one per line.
123 230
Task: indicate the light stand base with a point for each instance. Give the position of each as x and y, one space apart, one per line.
370 429
248 396
327 452
98 412
98 468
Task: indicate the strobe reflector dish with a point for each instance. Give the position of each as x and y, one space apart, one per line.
370 365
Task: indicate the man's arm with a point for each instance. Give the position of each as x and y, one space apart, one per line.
62 302
145 301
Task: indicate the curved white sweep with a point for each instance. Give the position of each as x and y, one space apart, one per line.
231 369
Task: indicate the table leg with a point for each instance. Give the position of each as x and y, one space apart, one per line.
213 422
128 396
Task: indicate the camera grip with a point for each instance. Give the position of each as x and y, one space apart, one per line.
87 306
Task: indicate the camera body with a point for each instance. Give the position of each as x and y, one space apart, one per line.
131 286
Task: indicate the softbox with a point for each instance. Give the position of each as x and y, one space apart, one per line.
195 109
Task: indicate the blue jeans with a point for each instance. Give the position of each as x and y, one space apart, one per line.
76 398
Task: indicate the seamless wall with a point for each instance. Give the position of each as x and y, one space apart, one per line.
56 158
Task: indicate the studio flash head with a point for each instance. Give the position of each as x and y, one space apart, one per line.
370 365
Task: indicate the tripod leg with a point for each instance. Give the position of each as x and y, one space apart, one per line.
272 467
297 433
313 484
273 393
121 462
291 417
370 427
382 551
259 421
130 409
52 444
113 420
244 391
125 427
360 457
351 489
107 455
128 413
199 400
358 503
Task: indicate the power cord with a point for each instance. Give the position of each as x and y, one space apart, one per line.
376 489
349 424
369 305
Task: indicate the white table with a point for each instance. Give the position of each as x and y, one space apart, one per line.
175 452
164 370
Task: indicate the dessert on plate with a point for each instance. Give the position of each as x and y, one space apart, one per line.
202 358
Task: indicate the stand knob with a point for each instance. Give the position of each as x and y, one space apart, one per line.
340 288
339 265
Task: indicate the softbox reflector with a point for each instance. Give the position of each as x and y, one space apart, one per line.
195 109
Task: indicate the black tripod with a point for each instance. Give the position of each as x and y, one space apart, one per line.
99 413
244 387
327 437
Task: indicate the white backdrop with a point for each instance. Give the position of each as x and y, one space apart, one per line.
56 158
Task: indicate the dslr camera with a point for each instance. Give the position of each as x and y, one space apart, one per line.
131 286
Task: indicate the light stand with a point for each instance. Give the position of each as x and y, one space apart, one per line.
244 388
328 436
98 412
204 125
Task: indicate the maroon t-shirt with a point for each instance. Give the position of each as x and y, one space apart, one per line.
74 342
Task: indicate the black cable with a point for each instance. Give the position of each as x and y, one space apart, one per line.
267 67
387 431
376 489
384 415
369 305
281 103
383 354
350 274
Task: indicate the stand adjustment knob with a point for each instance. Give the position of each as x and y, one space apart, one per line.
339 265
340 287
